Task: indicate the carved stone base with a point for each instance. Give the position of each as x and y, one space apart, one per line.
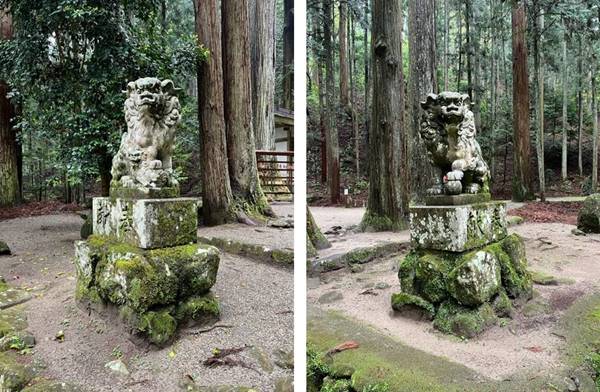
143 193
147 223
457 228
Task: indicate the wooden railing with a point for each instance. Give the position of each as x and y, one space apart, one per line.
276 171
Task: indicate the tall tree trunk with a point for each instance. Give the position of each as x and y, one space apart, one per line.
522 189
216 190
459 45
343 43
387 206
9 176
580 106
263 73
367 58
539 72
493 87
241 154
331 132
564 108
288 54
104 167
594 134
422 81
318 53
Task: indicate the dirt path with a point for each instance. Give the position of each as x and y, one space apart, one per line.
502 351
256 299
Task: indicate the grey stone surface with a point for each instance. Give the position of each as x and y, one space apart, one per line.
588 219
147 223
144 159
457 228
448 132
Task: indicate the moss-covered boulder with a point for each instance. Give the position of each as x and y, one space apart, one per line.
516 279
402 302
14 376
463 321
154 290
4 249
588 219
465 290
475 279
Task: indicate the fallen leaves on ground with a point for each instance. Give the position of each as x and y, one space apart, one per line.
37 208
348 345
534 349
226 357
549 212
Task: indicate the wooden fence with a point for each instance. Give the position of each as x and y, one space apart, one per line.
276 171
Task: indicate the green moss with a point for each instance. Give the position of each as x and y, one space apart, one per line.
283 256
315 237
13 375
516 280
463 322
430 276
198 308
404 301
588 219
543 278
502 305
42 385
333 385
316 368
406 272
159 326
84 292
372 222
118 191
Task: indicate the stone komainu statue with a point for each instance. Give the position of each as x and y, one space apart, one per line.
448 131
145 155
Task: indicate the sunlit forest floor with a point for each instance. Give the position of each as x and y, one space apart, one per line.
531 352
42 263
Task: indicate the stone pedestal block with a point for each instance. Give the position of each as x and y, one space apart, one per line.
457 228
147 223
153 290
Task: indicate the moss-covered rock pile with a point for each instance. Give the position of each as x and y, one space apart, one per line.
154 290
464 292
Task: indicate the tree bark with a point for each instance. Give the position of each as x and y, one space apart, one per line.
241 153
288 54
387 206
539 72
343 43
331 133
522 181
422 81
594 135
263 73
565 124
216 191
446 42
9 176
580 106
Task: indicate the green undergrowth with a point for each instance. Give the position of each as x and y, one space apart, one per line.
581 327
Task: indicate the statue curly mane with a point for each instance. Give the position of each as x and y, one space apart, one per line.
144 158
448 132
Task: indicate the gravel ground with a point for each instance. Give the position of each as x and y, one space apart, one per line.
256 300
501 351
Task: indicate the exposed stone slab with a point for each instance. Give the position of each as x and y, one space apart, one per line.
361 255
457 228
284 257
147 223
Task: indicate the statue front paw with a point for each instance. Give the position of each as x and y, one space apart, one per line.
435 190
473 188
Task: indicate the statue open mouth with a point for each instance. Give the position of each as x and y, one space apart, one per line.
147 99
